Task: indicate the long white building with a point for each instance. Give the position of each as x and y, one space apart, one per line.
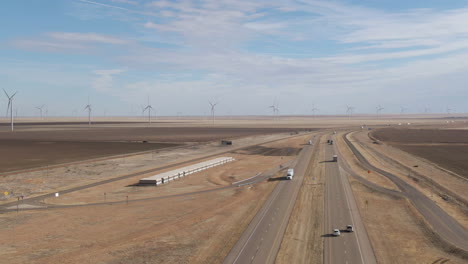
169 176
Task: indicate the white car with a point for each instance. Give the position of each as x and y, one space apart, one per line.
336 232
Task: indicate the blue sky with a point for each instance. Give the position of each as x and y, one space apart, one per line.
243 54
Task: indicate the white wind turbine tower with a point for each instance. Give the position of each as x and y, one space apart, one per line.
149 108
88 107
213 105
10 108
142 110
314 109
275 107
349 111
448 110
379 109
40 110
426 109
402 109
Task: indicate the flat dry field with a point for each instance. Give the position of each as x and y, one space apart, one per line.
446 148
192 228
53 145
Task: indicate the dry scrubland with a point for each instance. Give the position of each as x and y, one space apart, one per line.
194 228
54 145
199 227
390 220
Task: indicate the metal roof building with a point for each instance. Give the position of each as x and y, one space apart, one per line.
168 176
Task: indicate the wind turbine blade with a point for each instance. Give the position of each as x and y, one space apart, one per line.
6 93
8 107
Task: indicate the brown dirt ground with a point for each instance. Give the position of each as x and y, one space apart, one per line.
302 241
26 154
447 148
131 134
395 233
392 222
453 158
406 135
377 155
199 228
61 177
36 148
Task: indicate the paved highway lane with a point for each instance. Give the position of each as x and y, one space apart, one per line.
261 240
340 211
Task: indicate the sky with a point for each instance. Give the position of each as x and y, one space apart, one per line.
409 56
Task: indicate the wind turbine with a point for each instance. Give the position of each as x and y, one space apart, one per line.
275 107
142 110
379 109
426 109
349 110
402 109
213 104
314 109
10 107
448 109
149 108
88 107
40 109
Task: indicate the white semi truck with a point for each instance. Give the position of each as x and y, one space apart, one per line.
289 174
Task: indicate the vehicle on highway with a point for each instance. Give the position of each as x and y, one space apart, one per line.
335 158
336 232
289 174
349 228
310 142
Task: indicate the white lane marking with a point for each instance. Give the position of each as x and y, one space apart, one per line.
351 215
253 231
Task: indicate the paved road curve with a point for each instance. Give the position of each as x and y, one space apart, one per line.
340 211
442 223
261 240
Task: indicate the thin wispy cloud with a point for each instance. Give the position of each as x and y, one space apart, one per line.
86 37
275 48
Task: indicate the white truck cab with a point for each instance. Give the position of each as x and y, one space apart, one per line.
336 232
289 174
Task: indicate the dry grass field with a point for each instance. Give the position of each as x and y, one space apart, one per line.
193 227
53 145
196 228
